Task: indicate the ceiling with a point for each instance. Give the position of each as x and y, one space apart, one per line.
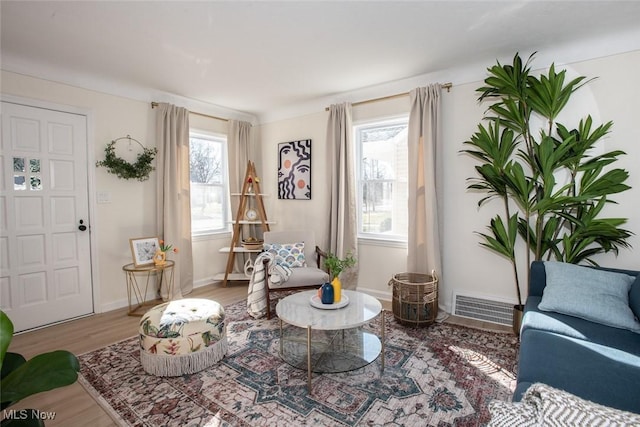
259 57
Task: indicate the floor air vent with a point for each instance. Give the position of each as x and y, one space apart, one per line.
483 309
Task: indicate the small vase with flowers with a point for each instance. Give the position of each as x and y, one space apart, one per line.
160 257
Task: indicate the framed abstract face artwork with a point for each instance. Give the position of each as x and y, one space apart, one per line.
294 170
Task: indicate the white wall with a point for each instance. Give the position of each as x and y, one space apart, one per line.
313 214
379 262
467 267
471 269
131 210
297 214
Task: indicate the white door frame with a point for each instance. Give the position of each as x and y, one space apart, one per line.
91 181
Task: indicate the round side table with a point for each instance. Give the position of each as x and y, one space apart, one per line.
164 275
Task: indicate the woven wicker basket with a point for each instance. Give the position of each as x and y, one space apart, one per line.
415 298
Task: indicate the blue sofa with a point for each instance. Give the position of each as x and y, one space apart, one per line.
588 359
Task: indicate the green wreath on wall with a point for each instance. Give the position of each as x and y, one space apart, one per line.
139 170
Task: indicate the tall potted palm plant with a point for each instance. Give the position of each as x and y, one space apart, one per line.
552 188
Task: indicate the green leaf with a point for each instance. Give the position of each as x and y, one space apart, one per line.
573 248
521 187
492 179
549 95
12 361
491 145
336 265
512 114
41 373
610 183
6 334
549 176
507 80
583 140
502 239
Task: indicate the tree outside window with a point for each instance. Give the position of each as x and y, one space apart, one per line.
382 172
208 172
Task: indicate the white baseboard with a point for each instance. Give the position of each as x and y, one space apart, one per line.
385 296
204 282
114 305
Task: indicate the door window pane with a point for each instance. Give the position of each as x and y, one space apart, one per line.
26 170
36 183
18 164
19 182
34 165
19 177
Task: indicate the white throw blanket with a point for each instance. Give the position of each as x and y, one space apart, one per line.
257 292
543 405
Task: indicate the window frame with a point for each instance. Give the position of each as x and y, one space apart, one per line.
226 202
392 240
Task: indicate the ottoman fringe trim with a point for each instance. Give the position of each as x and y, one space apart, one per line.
165 365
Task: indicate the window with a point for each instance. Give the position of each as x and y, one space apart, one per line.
209 191
382 155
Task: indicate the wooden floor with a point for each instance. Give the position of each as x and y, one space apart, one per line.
72 405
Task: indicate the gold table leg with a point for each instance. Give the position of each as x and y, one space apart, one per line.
281 344
134 288
382 327
309 358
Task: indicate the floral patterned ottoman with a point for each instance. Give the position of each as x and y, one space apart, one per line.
182 337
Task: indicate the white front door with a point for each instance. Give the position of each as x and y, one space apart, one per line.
45 258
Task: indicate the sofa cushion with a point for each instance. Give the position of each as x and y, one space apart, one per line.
595 295
589 359
576 327
307 276
600 373
305 236
634 297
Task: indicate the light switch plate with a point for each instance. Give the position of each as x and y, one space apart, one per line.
103 196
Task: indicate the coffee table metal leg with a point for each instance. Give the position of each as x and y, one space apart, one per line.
309 357
382 339
281 345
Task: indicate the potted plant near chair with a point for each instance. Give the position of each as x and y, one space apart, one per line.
552 186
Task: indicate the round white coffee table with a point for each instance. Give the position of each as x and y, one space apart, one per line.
331 340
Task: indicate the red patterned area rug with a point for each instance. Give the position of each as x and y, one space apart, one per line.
441 375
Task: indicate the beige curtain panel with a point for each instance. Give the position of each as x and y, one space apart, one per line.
424 247
173 213
343 232
240 150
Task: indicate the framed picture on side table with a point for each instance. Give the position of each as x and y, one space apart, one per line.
143 249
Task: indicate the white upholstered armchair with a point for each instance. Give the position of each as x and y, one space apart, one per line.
303 264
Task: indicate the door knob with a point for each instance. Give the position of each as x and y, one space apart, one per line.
82 227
